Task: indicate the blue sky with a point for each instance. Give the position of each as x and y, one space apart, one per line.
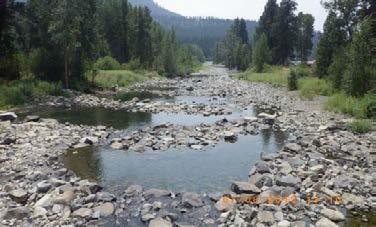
249 9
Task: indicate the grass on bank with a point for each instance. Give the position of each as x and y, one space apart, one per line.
122 78
360 126
19 92
277 76
308 86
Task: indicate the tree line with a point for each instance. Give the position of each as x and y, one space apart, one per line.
202 31
345 53
280 36
61 40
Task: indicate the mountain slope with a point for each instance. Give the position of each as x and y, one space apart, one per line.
204 32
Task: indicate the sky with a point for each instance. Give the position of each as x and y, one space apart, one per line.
230 9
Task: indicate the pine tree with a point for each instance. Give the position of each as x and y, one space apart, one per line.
360 74
285 29
305 34
261 53
333 39
267 21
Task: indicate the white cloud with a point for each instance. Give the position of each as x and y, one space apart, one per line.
249 9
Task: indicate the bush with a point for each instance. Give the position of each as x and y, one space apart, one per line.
360 126
107 63
292 81
303 71
359 107
309 87
134 64
19 92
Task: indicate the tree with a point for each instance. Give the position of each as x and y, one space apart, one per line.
305 34
266 23
261 53
9 63
360 74
333 38
285 29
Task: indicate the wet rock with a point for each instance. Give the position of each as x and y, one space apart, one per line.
89 140
19 195
267 118
105 197
159 222
156 193
230 136
333 215
133 190
244 188
190 200
83 213
324 222
105 209
8 116
92 186
117 146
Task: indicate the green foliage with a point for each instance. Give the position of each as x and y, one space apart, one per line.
304 35
261 54
122 78
360 74
360 126
234 51
19 92
284 29
309 87
332 40
359 107
303 71
107 63
292 81
337 68
277 76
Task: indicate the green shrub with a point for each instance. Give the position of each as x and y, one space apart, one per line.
360 126
359 107
19 92
134 64
309 87
107 63
303 71
292 81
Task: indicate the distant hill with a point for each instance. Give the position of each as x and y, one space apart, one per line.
204 32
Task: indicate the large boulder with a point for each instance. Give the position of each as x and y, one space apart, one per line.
16 213
156 193
105 209
8 116
244 188
192 200
324 222
19 195
333 215
288 181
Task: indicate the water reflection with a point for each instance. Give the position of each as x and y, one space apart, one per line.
119 119
210 170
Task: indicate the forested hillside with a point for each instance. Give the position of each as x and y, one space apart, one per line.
204 32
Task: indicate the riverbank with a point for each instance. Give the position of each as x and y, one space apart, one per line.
320 160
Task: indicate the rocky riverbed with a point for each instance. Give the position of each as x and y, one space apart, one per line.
323 174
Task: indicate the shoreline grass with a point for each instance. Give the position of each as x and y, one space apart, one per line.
121 78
